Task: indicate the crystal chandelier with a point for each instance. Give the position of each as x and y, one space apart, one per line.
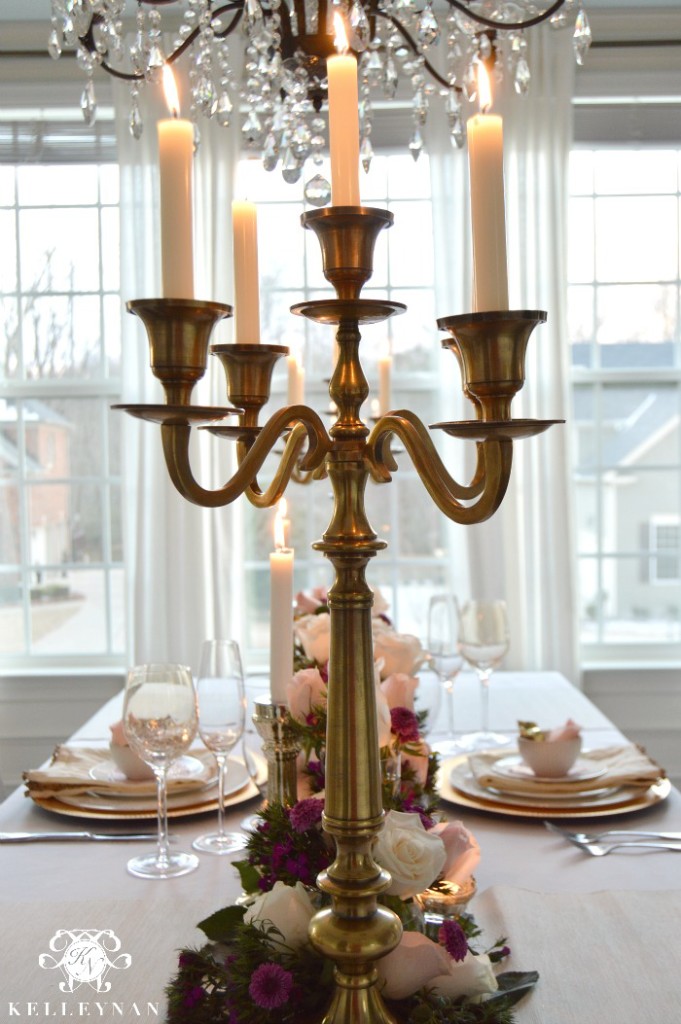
280 93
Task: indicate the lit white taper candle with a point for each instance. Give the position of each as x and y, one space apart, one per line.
385 364
343 121
281 610
246 283
488 215
176 153
296 381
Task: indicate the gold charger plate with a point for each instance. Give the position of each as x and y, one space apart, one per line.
624 801
205 801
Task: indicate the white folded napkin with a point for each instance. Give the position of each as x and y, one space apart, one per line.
624 766
77 770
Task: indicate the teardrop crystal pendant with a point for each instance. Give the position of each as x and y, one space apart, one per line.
54 43
88 103
366 153
581 40
291 169
416 143
318 191
360 32
224 110
270 154
522 77
135 123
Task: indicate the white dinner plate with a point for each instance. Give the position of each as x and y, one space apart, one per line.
237 777
457 785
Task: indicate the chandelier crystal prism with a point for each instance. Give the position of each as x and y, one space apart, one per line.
264 61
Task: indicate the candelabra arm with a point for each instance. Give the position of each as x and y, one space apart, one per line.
489 482
175 438
287 464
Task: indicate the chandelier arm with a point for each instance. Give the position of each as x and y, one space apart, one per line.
175 438
489 482
509 26
287 464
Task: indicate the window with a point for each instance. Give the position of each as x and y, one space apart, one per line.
290 272
624 310
61 559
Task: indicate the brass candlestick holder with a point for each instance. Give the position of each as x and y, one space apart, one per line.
281 749
355 931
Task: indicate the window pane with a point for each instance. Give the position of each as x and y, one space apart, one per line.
637 324
51 184
12 633
581 172
581 241
8 252
637 239
59 250
629 171
619 606
411 220
10 355
111 257
10 535
69 612
62 337
6 185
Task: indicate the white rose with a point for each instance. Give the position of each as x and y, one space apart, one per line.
314 633
472 976
288 908
306 690
380 605
413 856
401 652
383 719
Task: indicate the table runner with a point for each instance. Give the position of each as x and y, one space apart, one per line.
602 957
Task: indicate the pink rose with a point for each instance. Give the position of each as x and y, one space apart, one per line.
462 851
400 652
380 606
569 731
399 690
419 962
306 690
383 717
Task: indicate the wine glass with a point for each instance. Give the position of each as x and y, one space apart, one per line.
483 642
445 659
159 721
222 712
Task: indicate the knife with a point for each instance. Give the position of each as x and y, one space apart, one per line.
73 837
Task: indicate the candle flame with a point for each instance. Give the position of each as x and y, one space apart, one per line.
341 39
170 89
484 89
279 525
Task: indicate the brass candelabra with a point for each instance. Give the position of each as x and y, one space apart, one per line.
355 930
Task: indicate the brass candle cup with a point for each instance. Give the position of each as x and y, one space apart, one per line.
281 748
490 349
179 333
347 237
249 375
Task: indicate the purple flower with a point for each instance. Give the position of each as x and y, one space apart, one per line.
188 959
404 724
453 938
306 813
315 770
270 986
193 996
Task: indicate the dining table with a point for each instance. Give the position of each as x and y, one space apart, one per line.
602 932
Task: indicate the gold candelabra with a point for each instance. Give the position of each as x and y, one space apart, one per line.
355 930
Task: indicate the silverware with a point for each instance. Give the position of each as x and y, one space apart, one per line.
594 837
602 849
74 837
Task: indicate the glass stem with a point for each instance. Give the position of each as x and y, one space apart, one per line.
483 676
449 691
162 812
222 775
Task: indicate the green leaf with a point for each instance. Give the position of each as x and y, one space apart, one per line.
220 926
513 985
249 875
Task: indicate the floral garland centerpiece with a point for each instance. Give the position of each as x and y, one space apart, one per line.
257 966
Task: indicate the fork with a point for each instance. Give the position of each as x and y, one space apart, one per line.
601 849
594 837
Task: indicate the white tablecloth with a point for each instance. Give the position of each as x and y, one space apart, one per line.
532 886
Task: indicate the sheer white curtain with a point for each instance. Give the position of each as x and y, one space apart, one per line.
525 553
183 579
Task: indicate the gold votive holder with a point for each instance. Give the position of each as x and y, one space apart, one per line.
281 748
443 901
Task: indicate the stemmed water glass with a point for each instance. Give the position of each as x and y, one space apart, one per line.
160 721
222 712
483 642
445 658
